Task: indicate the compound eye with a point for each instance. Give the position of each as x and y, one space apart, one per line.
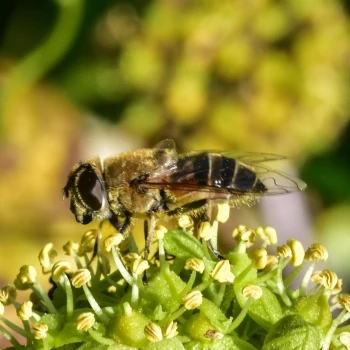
90 189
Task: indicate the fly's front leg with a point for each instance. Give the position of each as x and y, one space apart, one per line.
126 224
214 251
122 226
150 226
97 241
96 248
209 210
213 242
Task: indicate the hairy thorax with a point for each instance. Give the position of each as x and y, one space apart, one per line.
123 173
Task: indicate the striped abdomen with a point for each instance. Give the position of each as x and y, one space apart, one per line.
214 170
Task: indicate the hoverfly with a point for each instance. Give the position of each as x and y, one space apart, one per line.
149 183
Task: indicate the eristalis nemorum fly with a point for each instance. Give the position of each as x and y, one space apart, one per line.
153 182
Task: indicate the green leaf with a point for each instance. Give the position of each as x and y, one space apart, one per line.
242 266
63 332
215 315
158 313
70 334
93 345
163 289
227 342
129 329
229 296
69 346
241 344
197 326
293 332
315 310
182 245
168 344
96 346
265 311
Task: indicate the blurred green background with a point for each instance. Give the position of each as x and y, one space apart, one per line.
83 78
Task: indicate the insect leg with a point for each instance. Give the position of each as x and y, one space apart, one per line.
209 210
149 226
116 222
206 216
197 206
214 251
145 229
97 242
96 245
121 226
126 224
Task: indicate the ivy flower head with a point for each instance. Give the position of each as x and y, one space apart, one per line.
116 306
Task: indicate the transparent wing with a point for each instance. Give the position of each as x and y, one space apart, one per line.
188 176
253 157
276 182
249 157
166 157
166 144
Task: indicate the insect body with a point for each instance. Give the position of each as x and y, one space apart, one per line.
158 181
